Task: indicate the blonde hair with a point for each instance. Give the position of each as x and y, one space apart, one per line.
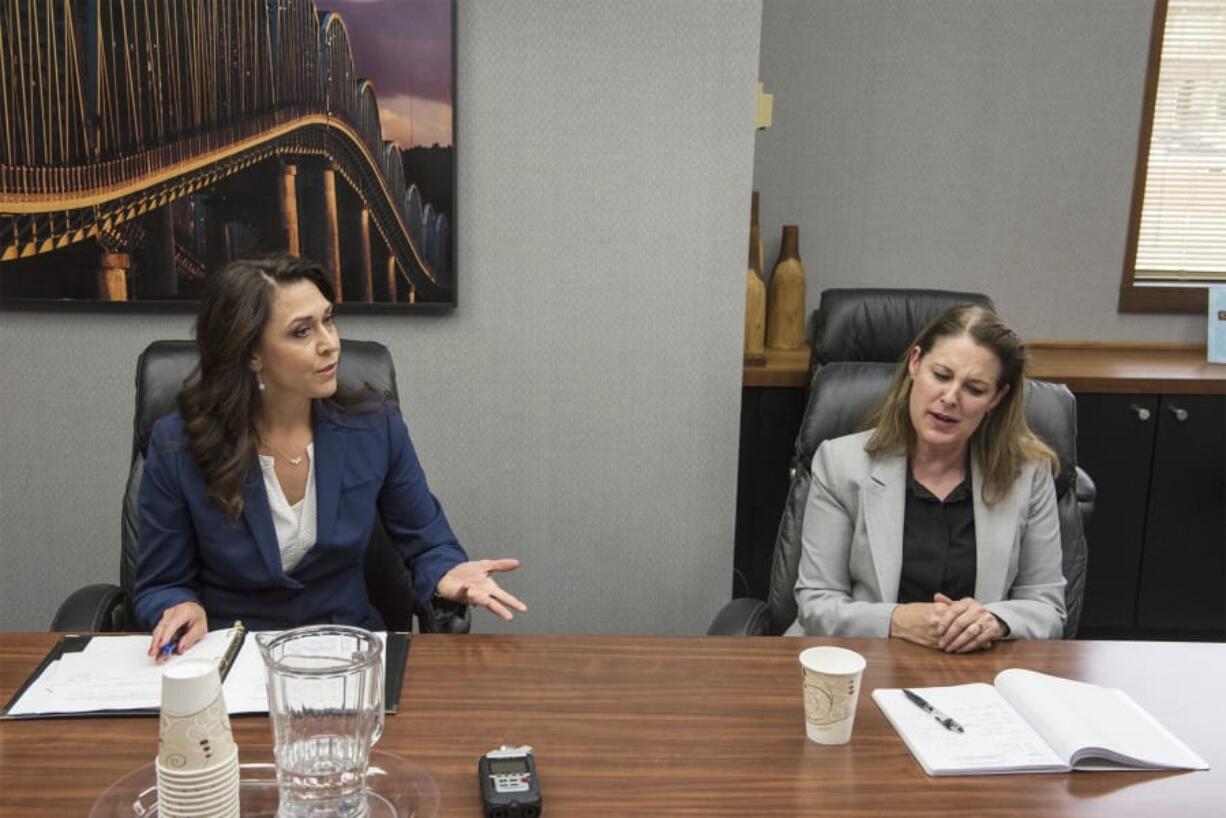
1003 442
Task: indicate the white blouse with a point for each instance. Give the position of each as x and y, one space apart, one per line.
295 524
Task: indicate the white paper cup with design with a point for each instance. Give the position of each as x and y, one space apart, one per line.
194 733
831 679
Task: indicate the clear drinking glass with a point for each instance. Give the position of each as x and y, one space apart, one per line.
325 698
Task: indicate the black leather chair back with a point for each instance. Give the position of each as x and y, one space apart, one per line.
160 373
878 324
840 397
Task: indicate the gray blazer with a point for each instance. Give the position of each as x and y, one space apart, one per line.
852 547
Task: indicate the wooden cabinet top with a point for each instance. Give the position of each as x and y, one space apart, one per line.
1085 367
1116 369
783 367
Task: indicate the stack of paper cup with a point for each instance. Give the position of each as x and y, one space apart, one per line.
197 764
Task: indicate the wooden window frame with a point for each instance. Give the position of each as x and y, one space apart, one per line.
1142 298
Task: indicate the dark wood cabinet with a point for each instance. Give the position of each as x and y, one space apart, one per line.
1183 567
1115 445
772 405
1157 564
770 419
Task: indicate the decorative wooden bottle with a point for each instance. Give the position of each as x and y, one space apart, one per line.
755 303
785 306
754 225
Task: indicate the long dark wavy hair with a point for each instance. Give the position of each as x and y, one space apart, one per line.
221 403
1004 440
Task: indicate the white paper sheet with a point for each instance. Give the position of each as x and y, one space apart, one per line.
115 673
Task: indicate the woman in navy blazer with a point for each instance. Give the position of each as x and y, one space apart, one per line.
258 498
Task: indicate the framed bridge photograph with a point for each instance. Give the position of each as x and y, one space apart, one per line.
145 145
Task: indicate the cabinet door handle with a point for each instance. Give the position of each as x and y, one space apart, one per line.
1142 412
1180 414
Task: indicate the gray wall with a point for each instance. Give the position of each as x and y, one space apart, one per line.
965 144
580 409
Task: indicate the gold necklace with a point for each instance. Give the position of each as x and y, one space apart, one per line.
293 461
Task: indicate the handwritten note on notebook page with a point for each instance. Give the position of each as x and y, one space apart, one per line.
1032 722
996 738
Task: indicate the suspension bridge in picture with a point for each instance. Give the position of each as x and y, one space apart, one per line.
166 137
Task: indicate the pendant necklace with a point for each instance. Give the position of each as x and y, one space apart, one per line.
293 461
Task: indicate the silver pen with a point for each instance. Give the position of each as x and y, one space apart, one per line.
942 719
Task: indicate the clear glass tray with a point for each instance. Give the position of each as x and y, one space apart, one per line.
396 788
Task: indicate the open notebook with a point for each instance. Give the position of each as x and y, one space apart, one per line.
113 675
1030 722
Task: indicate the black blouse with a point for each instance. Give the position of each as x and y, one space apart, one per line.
938 542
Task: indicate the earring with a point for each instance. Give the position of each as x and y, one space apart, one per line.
259 382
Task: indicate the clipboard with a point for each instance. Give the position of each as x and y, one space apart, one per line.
397 647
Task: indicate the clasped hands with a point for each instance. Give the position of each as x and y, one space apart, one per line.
954 626
468 583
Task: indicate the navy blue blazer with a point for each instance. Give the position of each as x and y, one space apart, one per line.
191 551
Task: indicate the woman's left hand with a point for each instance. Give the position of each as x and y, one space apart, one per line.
471 583
965 625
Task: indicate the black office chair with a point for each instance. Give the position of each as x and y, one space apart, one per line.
859 337
877 324
160 373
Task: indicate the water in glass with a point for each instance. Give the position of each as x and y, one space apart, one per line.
325 697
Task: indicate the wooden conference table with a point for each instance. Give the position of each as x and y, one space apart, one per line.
693 726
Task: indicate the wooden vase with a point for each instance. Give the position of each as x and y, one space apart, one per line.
785 305
755 304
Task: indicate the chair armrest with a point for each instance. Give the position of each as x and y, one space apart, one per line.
449 617
1086 494
741 617
91 609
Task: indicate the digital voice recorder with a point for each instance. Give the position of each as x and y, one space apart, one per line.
509 785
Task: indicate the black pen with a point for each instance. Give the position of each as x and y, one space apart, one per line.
942 719
236 642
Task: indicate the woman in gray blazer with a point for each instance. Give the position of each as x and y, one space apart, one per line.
939 524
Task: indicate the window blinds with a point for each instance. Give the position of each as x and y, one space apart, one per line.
1183 220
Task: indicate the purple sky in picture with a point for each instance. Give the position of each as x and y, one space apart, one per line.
404 47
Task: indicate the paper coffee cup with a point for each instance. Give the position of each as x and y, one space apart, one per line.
194 733
189 686
831 679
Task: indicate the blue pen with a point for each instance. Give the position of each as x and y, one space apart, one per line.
170 646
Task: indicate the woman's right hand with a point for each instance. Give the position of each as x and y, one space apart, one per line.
186 616
918 622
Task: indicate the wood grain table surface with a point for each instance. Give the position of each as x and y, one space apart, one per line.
686 726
